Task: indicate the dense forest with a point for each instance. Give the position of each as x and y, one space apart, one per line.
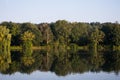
90 35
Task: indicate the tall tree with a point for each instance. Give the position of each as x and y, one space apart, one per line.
95 37
47 35
107 28
116 34
79 33
62 30
5 38
27 38
34 29
15 32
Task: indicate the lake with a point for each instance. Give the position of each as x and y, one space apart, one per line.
60 65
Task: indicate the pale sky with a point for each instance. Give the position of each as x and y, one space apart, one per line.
37 11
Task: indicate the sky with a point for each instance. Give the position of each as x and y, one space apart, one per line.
38 11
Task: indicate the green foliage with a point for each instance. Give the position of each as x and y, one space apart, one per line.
47 35
62 30
14 31
96 37
5 38
27 36
107 28
79 33
5 58
116 34
34 29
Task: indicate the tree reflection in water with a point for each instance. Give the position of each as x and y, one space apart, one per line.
27 58
112 61
5 60
61 62
96 61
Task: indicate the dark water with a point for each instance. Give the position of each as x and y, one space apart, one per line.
60 65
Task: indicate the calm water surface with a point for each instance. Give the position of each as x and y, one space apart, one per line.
38 75
60 65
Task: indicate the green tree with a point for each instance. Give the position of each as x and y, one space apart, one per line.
62 30
96 37
79 33
34 29
14 31
27 38
47 35
5 38
107 28
116 35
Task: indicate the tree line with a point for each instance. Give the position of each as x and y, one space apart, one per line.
92 34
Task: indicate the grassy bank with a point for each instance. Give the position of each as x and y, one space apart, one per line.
48 47
15 47
34 48
71 47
